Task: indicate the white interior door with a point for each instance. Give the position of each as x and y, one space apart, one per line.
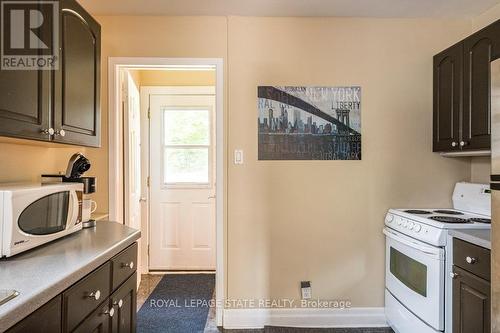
182 171
132 153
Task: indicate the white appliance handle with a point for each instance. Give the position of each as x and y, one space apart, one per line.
430 250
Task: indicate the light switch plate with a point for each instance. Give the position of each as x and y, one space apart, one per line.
238 156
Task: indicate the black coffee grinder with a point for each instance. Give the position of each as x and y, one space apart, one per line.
78 164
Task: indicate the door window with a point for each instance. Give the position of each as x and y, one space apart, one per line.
409 271
186 147
46 216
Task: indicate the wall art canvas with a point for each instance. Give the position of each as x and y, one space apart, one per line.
309 123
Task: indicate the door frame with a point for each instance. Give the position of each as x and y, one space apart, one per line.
115 149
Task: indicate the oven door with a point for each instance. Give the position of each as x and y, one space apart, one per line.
414 274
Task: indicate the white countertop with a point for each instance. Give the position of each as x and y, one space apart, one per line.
44 272
478 237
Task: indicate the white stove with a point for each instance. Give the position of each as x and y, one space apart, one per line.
432 225
419 257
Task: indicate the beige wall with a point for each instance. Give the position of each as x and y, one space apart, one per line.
302 220
133 36
321 220
26 161
176 77
486 18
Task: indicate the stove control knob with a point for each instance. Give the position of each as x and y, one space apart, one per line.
410 225
417 227
389 218
405 223
399 221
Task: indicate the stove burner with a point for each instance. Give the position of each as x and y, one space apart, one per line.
448 212
448 219
417 211
480 220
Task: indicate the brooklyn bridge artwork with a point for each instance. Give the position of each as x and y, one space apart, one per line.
309 123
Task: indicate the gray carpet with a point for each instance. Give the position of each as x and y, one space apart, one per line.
169 308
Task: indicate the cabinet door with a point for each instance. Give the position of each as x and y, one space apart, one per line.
479 51
124 302
24 103
45 319
447 98
77 83
471 303
98 322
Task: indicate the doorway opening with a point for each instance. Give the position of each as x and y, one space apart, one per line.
166 173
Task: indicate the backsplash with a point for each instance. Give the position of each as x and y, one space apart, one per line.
26 162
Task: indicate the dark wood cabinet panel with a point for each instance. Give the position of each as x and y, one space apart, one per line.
471 303
462 92
77 82
123 265
478 54
60 105
98 322
82 298
447 98
124 301
45 319
24 104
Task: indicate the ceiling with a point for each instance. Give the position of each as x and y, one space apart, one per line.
346 8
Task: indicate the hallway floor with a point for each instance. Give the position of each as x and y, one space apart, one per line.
185 283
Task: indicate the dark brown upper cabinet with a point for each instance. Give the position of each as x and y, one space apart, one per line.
77 83
462 92
25 104
447 98
58 105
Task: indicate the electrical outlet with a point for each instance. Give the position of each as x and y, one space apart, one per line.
305 287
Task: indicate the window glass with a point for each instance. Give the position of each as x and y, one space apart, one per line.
45 216
187 127
186 165
409 271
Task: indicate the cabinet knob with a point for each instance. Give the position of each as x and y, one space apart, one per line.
453 144
463 143
119 303
130 265
48 131
453 275
471 260
95 295
61 132
110 312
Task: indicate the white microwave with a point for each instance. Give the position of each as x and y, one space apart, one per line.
35 214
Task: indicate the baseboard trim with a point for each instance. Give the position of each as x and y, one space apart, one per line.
299 317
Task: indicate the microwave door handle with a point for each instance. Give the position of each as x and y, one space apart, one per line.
425 249
74 203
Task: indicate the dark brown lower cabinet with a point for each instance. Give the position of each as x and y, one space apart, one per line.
45 319
104 301
471 303
98 322
124 302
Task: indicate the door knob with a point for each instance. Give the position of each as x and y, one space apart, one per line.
211 196
49 131
95 295
471 260
110 312
142 199
60 132
119 303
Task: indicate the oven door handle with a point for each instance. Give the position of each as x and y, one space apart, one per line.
436 252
